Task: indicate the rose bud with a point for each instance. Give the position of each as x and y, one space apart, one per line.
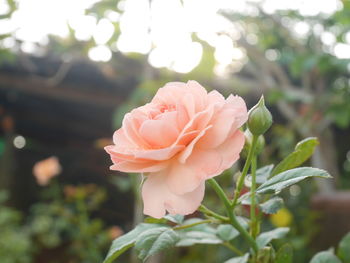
260 118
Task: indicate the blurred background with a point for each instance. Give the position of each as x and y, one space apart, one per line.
70 70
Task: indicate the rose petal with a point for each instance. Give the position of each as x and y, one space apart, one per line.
144 155
114 153
208 161
184 178
215 97
131 131
199 93
240 110
121 141
186 204
194 125
186 138
182 116
162 132
159 154
187 152
157 198
138 167
227 120
221 127
170 93
188 102
231 148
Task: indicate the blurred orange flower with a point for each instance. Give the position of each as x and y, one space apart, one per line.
69 190
114 232
46 169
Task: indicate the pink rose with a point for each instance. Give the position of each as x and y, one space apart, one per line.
183 137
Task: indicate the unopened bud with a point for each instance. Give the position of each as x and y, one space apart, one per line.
259 118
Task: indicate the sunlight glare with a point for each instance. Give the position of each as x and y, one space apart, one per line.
224 50
134 26
6 26
100 53
163 29
328 38
188 58
4 7
301 28
103 31
35 19
342 51
84 26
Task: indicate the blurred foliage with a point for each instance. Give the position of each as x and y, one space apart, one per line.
58 229
15 241
67 222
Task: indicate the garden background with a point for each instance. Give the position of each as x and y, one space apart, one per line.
70 70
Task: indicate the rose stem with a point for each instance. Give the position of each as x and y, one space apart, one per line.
253 217
244 172
233 220
194 224
211 213
233 248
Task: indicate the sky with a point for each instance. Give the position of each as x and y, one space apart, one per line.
162 29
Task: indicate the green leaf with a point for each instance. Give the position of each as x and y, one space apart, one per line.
265 238
227 232
285 254
303 151
261 175
243 259
246 199
244 222
177 219
272 206
290 177
191 238
154 240
325 257
123 243
344 248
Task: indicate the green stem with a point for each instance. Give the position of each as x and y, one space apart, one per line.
253 217
245 171
233 248
194 224
258 223
211 213
233 220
